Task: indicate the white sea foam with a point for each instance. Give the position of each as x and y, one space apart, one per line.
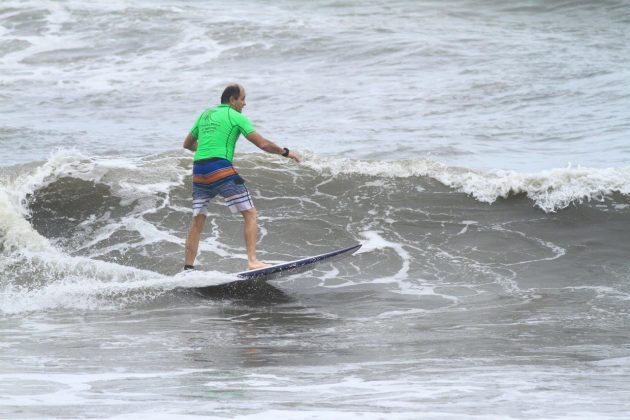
375 241
88 284
82 282
551 190
15 231
75 388
72 281
76 282
107 170
14 192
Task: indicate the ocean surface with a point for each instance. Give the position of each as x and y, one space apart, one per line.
479 150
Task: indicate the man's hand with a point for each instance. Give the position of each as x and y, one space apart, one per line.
295 156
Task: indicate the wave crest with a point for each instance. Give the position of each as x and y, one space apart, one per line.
550 190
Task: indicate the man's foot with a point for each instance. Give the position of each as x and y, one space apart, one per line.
256 265
189 267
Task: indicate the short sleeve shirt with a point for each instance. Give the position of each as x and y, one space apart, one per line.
217 131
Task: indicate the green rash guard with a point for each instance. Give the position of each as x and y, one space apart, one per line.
217 131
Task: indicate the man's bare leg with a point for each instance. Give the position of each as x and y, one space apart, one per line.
251 234
192 240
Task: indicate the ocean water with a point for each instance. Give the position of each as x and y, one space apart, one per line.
479 150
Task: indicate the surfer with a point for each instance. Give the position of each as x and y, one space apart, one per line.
213 138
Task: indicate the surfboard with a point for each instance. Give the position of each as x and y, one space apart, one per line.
297 266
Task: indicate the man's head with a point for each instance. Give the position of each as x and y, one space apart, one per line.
234 96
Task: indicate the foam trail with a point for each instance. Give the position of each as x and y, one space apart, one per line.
87 284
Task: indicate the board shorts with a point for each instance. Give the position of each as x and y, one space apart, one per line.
212 177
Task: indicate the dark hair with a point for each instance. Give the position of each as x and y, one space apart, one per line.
229 92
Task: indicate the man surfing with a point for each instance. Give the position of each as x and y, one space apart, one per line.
213 139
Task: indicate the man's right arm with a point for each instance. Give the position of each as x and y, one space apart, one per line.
190 143
269 146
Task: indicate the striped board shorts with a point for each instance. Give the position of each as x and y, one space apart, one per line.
218 176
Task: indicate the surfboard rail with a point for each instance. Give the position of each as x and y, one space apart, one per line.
297 266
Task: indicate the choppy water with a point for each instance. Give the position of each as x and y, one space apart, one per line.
478 150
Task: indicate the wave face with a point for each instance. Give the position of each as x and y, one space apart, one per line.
92 246
116 220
